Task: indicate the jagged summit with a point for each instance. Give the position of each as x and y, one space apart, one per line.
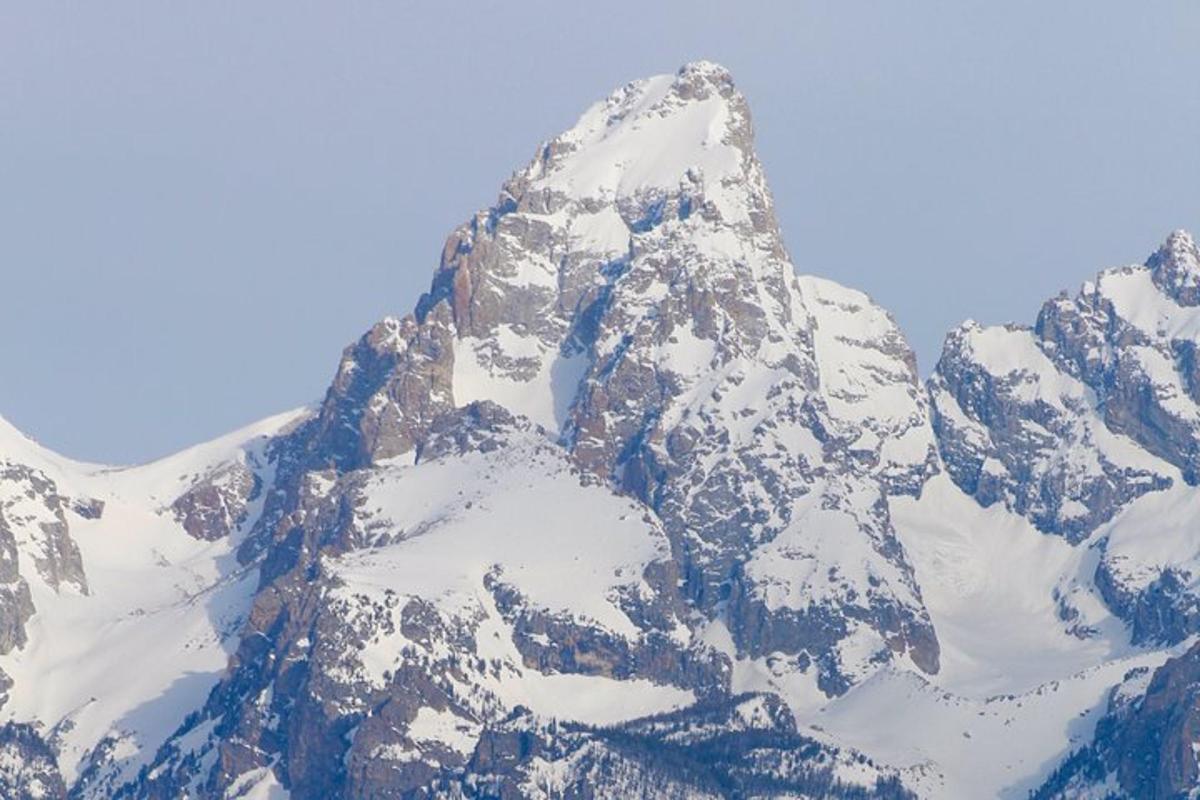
1178 246
647 140
655 187
706 70
1176 268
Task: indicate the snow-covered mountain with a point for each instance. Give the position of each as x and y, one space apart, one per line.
626 507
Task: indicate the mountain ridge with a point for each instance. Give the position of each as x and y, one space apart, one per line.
623 469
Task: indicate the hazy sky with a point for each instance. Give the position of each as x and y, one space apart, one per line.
201 204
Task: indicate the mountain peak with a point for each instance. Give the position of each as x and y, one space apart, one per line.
1180 239
630 295
650 139
701 76
1176 268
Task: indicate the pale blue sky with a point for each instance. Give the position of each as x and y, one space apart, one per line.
201 204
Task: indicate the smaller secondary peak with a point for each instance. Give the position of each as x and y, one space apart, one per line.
700 78
702 66
1176 268
1179 245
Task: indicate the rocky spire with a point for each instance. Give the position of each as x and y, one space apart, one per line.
1176 268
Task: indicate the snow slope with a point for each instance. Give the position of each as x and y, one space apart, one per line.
151 590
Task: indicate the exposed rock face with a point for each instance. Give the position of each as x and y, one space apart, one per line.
743 746
1166 609
389 388
1070 422
35 514
1014 429
1130 338
16 604
28 768
34 527
1147 744
214 507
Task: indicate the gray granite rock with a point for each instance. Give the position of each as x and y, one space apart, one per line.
28 766
1145 746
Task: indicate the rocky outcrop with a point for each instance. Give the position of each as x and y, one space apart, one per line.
1146 745
1128 336
218 504
1162 610
36 514
34 529
28 766
1015 429
389 388
743 746
16 607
